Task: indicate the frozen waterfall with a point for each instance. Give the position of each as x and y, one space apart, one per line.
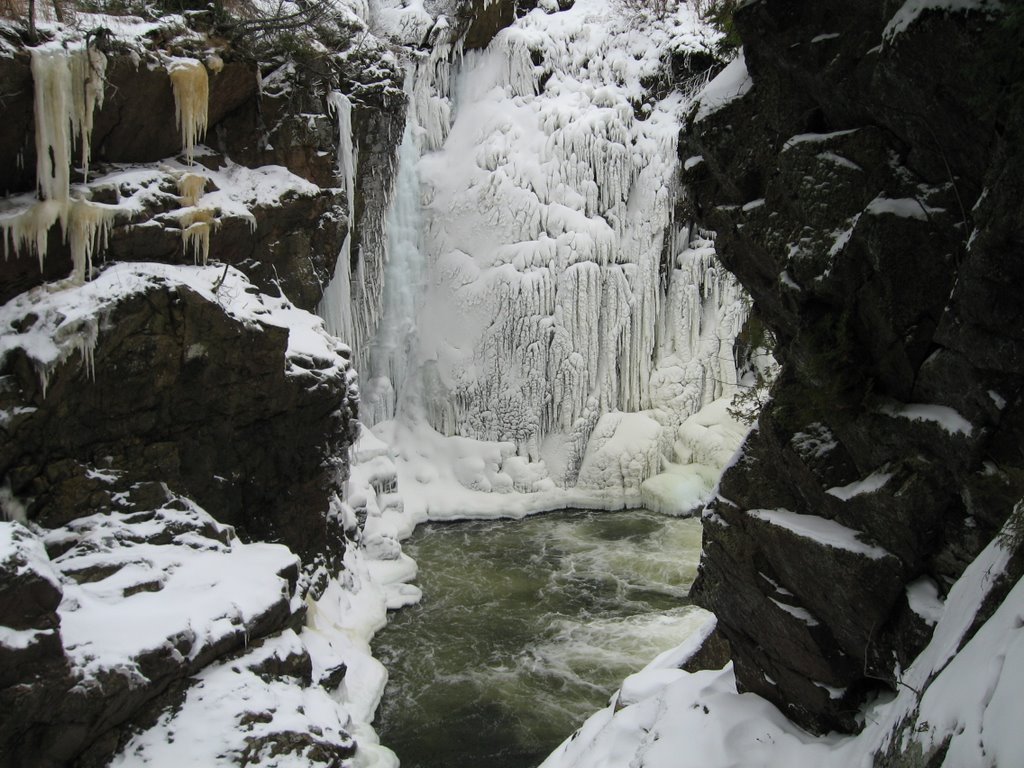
546 323
392 354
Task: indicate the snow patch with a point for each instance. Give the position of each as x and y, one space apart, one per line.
870 484
823 531
730 84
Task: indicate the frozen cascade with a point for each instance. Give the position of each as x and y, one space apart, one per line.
191 87
392 354
378 321
554 297
563 319
68 86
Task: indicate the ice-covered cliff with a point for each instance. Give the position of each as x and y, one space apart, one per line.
545 297
174 421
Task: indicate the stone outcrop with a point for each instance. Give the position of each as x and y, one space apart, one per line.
134 402
176 390
863 179
89 674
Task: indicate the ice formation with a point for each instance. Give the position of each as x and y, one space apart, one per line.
555 286
195 232
68 87
191 101
336 305
89 225
191 187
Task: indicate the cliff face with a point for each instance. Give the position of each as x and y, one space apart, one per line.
163 418
864 179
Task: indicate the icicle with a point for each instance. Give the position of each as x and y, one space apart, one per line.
195 232
28 229
336 303
88 70
89 228
53 109
191 187
68 86
191 87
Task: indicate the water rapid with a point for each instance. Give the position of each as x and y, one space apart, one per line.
526 628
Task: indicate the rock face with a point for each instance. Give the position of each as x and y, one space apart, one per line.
865 184
173 389
160 389
283 226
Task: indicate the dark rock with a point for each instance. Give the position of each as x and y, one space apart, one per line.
333 677
29 588
163 414
888 278
713 654
483 24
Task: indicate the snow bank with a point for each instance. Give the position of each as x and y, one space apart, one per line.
232 711
198 589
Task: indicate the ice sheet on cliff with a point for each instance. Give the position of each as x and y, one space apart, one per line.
558 288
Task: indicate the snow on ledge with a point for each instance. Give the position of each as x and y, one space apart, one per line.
869 484
826 532
945 417
69 318
730 84
912 10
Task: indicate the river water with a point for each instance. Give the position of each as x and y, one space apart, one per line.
526 628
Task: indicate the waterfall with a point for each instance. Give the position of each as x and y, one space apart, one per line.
392 353
537 289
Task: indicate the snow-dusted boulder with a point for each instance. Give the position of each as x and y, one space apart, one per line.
146 599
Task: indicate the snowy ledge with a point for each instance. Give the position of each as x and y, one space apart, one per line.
822 531
50 322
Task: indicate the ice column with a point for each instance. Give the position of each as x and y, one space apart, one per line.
191 101
68 87
336 305
392 353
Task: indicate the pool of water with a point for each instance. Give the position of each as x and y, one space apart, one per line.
526 628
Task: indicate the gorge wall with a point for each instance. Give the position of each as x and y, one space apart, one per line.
161 420
861 165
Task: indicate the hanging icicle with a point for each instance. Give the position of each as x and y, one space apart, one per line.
336 304
191 87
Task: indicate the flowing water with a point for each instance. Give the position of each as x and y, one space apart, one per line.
526 628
